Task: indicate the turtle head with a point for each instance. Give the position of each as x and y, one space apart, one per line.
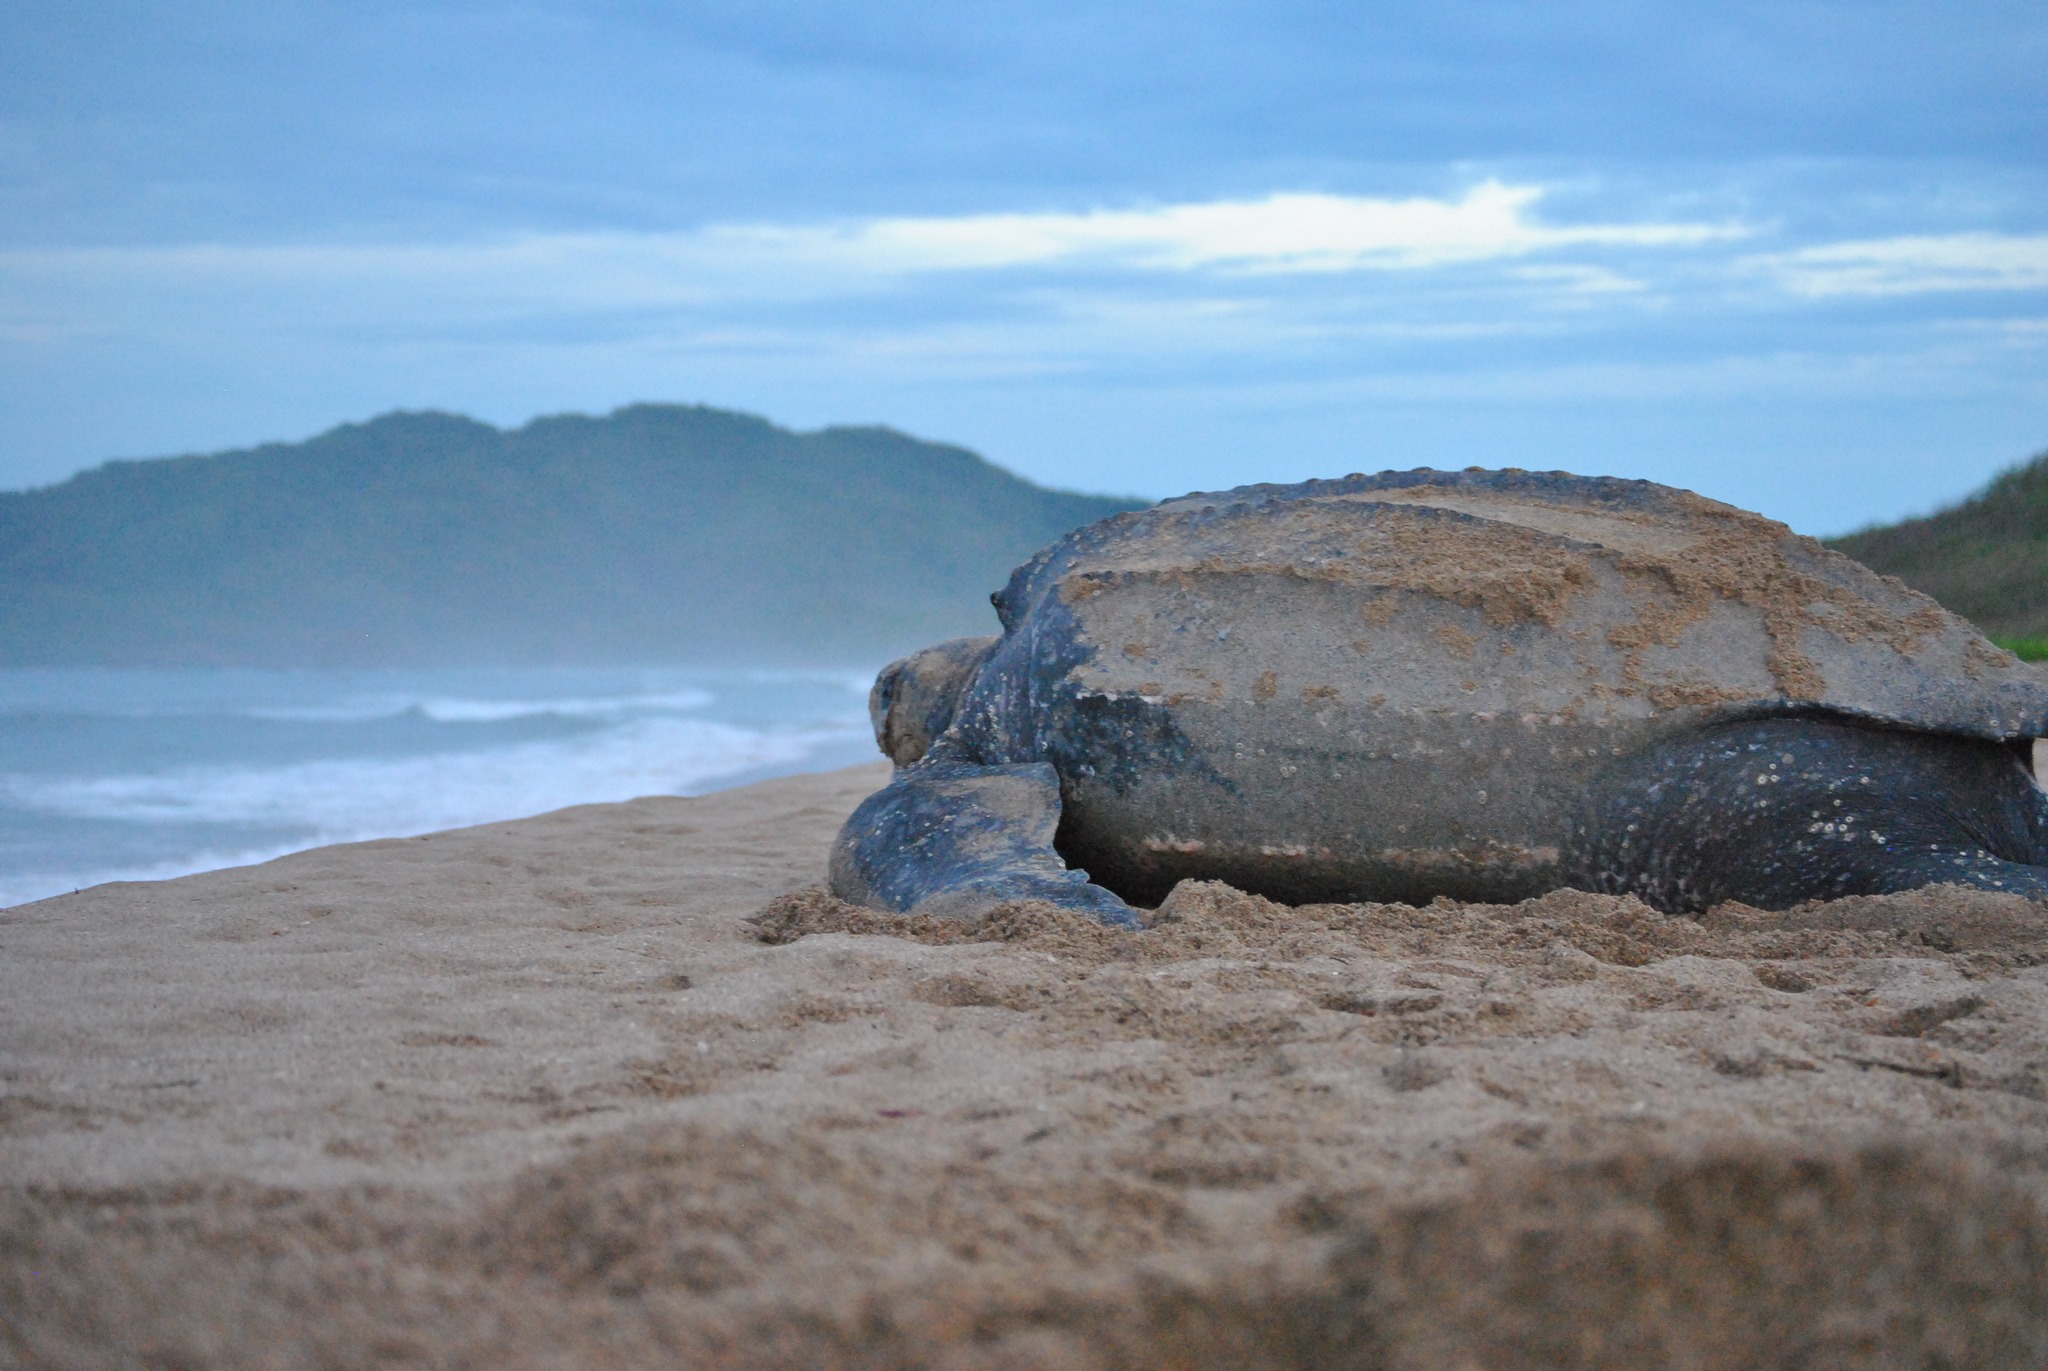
914 698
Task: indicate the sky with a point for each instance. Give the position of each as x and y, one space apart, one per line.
1792 255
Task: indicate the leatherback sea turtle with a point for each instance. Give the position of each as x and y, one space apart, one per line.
1479 684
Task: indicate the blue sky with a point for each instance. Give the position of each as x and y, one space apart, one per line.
1792 255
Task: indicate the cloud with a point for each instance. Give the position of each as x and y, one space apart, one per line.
1280 233
1915 265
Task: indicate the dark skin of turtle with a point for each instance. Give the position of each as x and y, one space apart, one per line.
1480 685
1776 812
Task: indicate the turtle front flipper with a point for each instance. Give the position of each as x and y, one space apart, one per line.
956 840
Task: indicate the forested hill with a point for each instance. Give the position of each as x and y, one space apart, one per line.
656 534
1986 558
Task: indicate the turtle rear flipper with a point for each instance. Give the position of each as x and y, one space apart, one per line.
1774 812
955 840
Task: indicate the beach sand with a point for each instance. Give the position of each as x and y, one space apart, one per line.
621 1086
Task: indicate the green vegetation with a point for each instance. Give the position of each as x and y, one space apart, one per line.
2026 649
1986 559
656 534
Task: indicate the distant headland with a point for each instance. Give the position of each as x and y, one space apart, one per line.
655 534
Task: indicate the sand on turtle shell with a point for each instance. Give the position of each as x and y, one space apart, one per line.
622 1086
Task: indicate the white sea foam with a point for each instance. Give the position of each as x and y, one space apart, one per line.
461 710
349 800
191 789
344 799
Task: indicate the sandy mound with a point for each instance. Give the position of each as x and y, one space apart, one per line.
621 1086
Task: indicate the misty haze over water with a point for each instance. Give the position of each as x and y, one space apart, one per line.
127 774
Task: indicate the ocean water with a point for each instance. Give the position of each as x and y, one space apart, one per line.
140 775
